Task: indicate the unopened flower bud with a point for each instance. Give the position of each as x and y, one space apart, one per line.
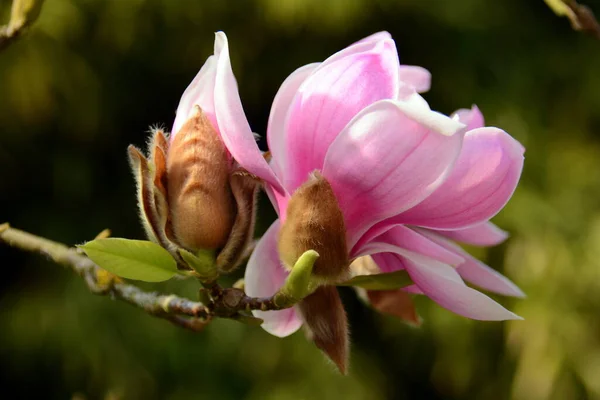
314 221
327 324
200 200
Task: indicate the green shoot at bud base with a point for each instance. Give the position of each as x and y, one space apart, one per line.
299 284
203 263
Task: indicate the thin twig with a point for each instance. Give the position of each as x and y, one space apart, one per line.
23 14
221 302
169 307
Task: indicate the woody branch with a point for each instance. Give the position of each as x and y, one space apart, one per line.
222 302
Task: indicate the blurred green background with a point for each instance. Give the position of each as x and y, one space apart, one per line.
93 75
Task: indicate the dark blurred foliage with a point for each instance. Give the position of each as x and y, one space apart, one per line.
93 75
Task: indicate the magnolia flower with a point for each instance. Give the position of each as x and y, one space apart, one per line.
362 166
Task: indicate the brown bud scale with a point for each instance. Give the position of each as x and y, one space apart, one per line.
244 187
141 171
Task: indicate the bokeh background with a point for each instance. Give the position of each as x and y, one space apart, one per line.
93 75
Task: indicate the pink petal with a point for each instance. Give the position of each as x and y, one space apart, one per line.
264 276
476 272
483 234
279 112
233 126
473 118
389 158
279 201
199 92
330 98
417 77
358 47
374 38
388 262
481 183
442 284
412 289
402 237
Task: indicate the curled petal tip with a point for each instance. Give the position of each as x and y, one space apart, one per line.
420 111
517 317
417 77
220 40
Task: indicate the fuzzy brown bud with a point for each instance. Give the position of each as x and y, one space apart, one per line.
327 324
199 197
314 221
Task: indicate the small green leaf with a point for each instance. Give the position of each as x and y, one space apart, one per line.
132 259
203 264
387 281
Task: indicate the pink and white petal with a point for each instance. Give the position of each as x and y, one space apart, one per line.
264 276
408 239
412 289
388 262
483 234
330 97
278 200
479 274
233 126
476 272
279 111
438 282
473 118
361 46
375 37
415 76
482 181
199 92
390 157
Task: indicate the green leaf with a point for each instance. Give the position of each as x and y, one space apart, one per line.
132 259
387 281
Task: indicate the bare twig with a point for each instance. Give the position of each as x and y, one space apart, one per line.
23 14
220 302
581 17
170 307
